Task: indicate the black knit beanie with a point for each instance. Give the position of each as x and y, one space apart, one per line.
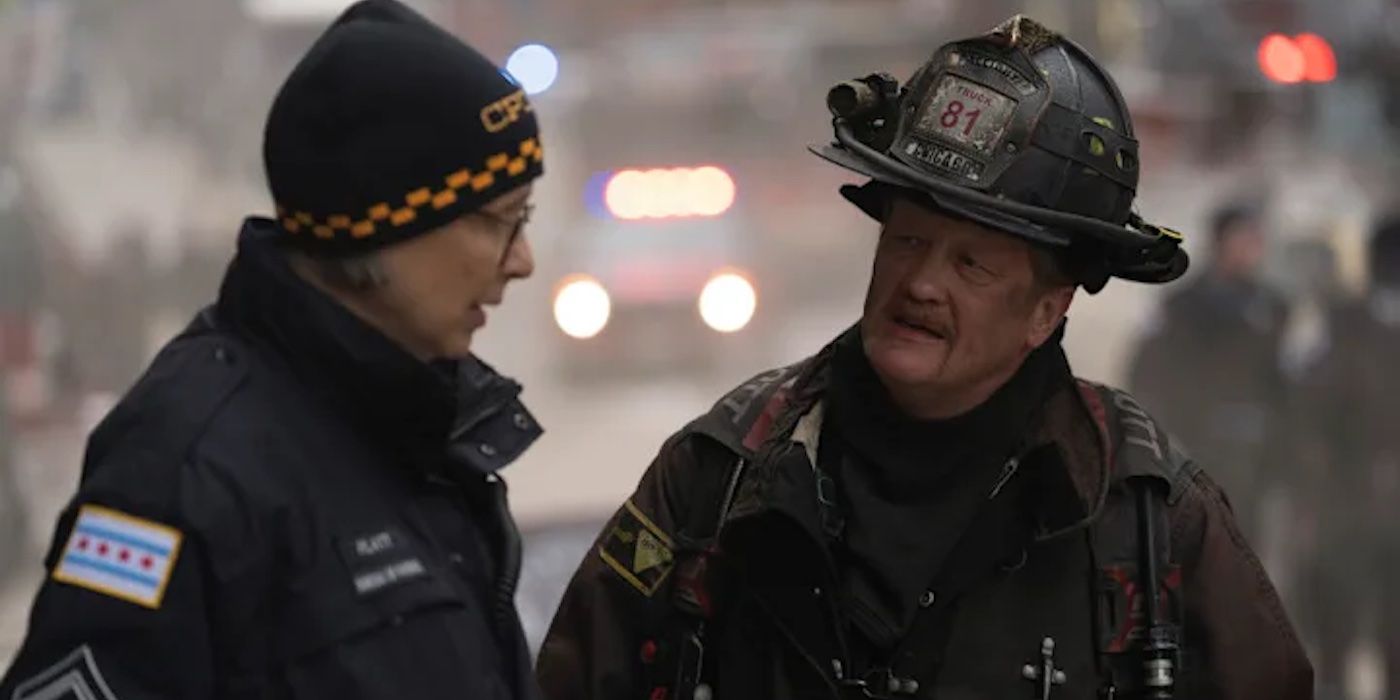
390 127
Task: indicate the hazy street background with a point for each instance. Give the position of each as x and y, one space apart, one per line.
130 142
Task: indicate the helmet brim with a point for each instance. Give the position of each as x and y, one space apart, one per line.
871 200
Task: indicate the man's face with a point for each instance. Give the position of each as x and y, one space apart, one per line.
952 309
441 283
1242 251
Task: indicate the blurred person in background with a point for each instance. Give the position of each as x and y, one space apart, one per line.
1208 365
299 498
1351 483
1309 277
933 506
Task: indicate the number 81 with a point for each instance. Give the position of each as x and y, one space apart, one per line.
954 114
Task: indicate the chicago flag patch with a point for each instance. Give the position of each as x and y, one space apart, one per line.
119 555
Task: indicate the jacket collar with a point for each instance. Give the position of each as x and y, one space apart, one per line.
405 405
1068 450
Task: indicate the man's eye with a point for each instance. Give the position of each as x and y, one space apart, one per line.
970 261
908 241
975 270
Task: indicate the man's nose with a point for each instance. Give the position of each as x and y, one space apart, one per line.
927 280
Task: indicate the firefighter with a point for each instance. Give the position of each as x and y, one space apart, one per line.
933 506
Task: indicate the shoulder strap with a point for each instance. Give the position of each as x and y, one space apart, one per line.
1139 446
744 417
696 542
679 666
741 423
1138 643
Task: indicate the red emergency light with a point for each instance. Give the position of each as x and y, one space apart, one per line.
667 193
1306 57
1320 63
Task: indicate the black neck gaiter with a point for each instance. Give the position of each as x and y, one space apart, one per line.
909 487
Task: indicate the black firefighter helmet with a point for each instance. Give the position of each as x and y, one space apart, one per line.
1020 130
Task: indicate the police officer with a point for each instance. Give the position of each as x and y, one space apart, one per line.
933 506
1352 403
299 498
1225 403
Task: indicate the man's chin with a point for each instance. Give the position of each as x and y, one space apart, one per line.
905 364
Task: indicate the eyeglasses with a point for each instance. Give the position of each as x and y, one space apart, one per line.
515 225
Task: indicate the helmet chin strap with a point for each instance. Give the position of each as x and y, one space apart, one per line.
1154 252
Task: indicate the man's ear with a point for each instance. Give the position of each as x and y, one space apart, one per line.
1048 313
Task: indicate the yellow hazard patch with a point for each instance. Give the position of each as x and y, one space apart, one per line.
639 551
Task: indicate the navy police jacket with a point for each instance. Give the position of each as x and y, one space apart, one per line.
287 505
